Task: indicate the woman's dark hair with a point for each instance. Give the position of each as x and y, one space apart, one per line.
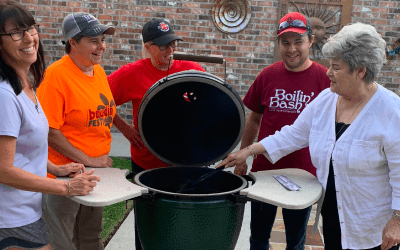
22 18
77 38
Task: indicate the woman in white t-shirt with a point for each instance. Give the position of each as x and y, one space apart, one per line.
23 136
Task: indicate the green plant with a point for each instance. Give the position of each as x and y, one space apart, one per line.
114 215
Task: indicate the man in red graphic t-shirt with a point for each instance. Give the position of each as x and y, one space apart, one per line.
130 83
276 98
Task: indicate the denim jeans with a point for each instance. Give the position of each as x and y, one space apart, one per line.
262 221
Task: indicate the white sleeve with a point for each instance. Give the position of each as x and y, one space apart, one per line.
10 114
391 148
291 137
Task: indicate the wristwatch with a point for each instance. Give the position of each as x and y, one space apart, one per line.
396 215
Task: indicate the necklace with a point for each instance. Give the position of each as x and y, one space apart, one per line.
341 128
37 102
338 111
352 114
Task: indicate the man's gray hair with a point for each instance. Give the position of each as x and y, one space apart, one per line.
145 53
359 45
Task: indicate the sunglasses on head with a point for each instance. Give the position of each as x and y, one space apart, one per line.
291 23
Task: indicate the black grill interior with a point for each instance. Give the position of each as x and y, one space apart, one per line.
171 179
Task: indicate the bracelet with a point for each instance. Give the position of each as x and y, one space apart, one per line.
396 215
69 188
252 151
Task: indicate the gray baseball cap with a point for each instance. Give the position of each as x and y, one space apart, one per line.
84 24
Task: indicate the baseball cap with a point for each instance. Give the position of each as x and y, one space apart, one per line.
84 24
295 22
159 32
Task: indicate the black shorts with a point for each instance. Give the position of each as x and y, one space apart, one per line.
32 236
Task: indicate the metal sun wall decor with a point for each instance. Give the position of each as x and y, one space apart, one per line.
319 16
327 18
231 16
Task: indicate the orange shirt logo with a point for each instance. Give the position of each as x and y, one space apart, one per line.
103 115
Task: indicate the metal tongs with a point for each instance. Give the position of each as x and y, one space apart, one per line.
190 185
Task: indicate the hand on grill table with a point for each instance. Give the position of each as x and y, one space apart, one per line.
82 184
71 169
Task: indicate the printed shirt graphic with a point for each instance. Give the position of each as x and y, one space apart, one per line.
281 95
103 115
287 102
80 106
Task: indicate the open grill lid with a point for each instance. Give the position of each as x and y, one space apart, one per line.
191 118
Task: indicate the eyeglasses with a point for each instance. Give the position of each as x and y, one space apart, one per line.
291 23
172 44
19 35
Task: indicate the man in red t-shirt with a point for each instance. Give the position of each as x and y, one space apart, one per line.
276 98
131 81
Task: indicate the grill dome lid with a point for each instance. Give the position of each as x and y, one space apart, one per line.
191 118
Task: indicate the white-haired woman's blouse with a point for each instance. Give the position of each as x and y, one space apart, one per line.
366 161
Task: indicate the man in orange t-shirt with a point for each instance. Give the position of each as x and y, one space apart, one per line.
80 108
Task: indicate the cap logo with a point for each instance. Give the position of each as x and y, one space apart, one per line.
90 18
163 27
290 21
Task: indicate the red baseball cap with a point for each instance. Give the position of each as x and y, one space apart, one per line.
294 22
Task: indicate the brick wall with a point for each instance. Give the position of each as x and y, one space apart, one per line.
385 16
246 52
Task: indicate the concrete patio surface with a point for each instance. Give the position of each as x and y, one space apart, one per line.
124 238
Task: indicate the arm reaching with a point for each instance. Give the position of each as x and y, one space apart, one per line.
250 133
15 177
239 157
129 131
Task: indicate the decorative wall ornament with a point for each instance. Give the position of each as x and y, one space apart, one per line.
392 49
327 18
231 16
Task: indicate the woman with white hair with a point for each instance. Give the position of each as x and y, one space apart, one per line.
352 132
